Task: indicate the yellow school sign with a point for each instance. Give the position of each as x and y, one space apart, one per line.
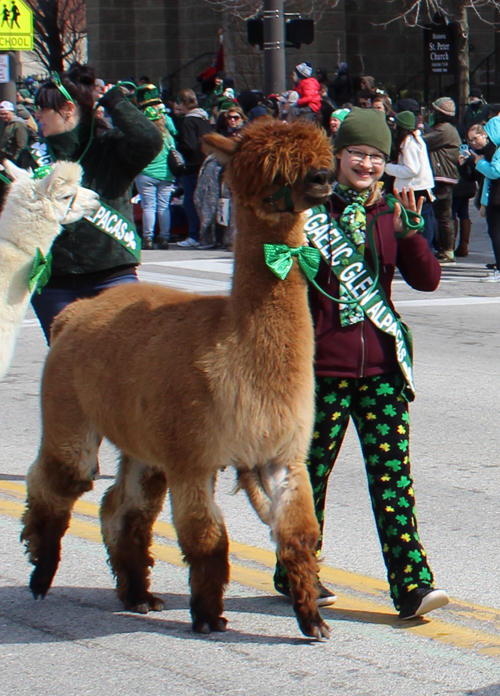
16 26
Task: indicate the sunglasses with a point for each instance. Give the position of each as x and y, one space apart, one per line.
234 118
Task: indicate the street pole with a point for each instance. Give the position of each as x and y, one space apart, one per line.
274 47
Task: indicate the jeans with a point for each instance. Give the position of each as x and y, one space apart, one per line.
430 224
51 301
189 182
155 200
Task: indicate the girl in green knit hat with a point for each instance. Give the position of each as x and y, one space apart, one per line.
363 351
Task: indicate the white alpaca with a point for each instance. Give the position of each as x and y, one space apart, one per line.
31 219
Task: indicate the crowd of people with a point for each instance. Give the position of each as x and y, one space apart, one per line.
446 162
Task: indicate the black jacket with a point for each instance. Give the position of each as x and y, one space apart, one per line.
192 128
110 165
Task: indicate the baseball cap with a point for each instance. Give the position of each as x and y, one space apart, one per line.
7 106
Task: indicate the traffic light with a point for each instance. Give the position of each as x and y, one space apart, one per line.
255 32
299 31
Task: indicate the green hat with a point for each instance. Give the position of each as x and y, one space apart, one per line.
340 114
152 113
147 95
364 127
406 120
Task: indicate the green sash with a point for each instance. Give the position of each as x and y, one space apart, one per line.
357 279
106 219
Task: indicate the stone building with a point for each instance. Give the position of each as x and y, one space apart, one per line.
178 38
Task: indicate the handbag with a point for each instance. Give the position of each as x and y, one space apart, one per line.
176 162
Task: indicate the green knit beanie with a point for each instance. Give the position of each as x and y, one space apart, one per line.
406 120
364 127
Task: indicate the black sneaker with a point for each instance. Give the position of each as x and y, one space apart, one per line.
325 599
147 245
421 601
162 244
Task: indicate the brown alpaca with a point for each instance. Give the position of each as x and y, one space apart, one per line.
184 385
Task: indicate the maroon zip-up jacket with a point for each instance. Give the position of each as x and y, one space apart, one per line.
363 350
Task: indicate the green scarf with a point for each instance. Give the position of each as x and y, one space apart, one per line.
353 223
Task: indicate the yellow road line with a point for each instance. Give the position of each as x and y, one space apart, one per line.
347 607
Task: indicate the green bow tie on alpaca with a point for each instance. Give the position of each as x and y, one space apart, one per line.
279 259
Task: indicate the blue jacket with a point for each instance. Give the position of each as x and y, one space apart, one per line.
491 170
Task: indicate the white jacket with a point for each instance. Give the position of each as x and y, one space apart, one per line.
413 169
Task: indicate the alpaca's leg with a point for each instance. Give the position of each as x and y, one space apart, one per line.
296 531
128 512
63 471
203 540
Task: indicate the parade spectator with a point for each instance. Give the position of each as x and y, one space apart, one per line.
156 185
357 370
490 198
307 86
363 100
192 128
336 120
341 89
367 84
477 110
462 193
413 169
287 101
15 134
85 259
326 109
443 143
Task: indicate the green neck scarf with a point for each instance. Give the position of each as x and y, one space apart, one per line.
353 223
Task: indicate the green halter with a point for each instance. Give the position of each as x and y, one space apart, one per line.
284 192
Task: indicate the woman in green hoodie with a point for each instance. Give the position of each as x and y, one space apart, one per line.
156 185
91 255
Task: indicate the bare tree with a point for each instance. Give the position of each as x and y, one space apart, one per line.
244 9
416 13
60 31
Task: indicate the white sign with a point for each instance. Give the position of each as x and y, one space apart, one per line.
4 69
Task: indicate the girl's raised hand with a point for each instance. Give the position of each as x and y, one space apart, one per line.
406 199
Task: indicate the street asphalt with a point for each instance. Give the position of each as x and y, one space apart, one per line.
79 641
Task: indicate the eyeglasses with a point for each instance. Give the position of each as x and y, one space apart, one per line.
358 156
54 77
234 118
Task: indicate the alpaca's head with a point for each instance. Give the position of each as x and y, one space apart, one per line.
272 156
63 199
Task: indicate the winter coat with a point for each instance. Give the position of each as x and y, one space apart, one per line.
413 169
110 165
491 170
363 350
192 128
309 94
14 139
475 113
443 143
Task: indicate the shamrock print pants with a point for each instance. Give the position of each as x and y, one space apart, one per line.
381 418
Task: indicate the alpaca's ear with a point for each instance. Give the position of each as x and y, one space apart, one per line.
15 173
216 144
63 173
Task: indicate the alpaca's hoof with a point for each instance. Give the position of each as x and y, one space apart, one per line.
40 582
145 604
219 625
314 627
